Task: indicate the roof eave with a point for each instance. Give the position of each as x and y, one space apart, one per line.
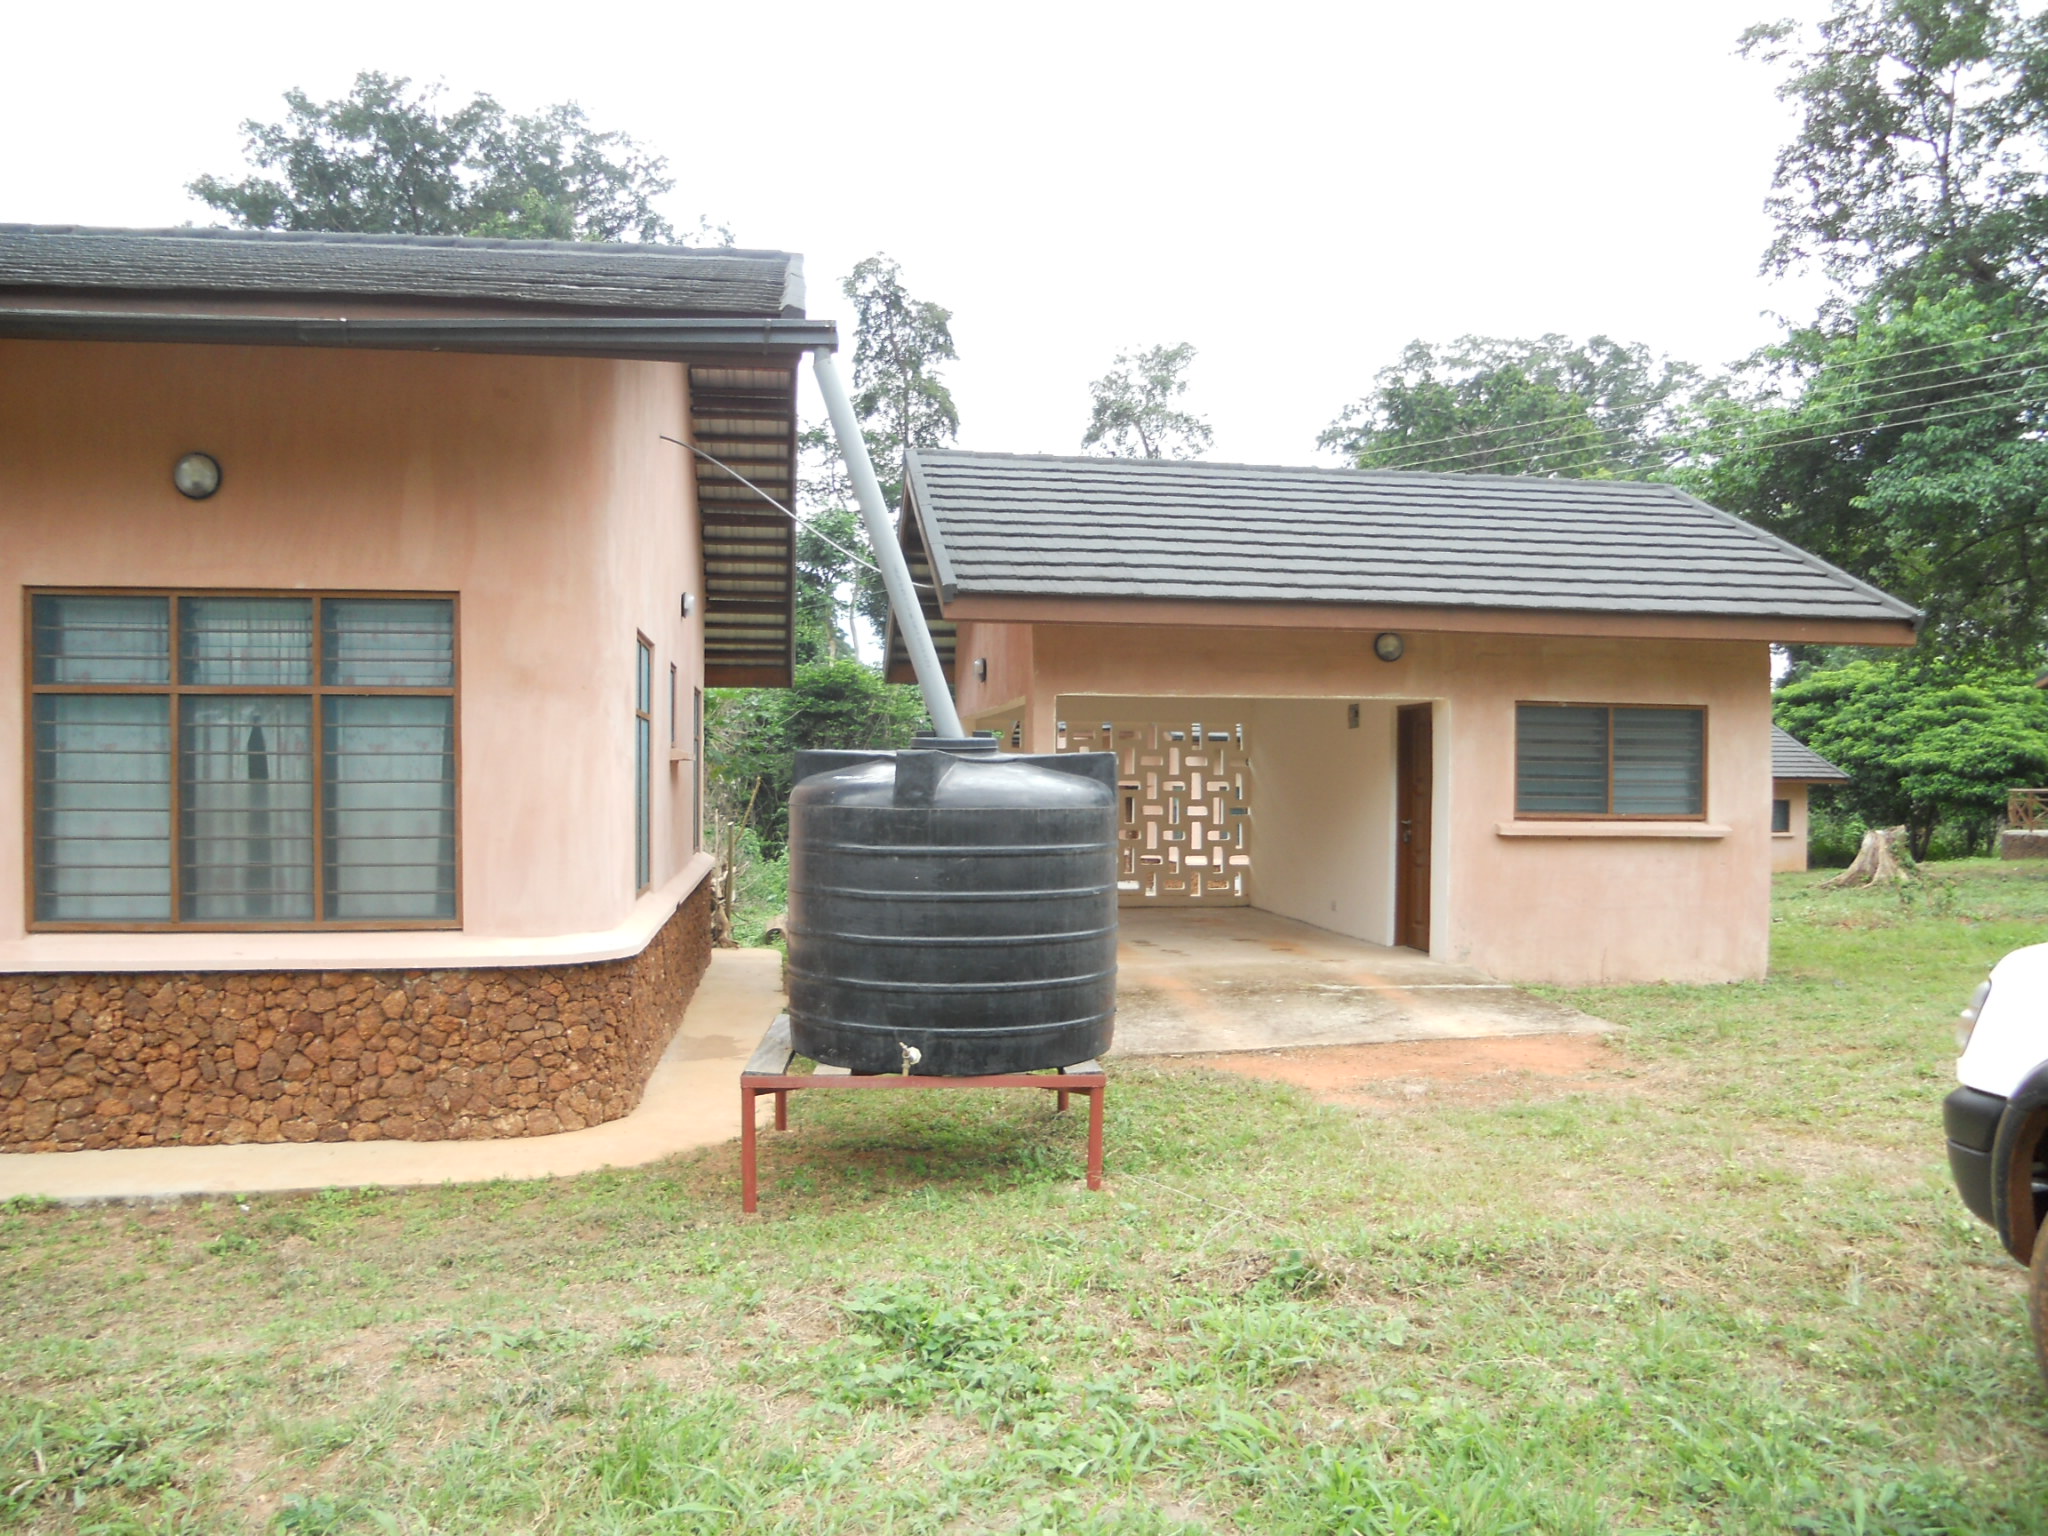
568 336
1443 618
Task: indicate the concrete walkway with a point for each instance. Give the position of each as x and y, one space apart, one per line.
691 1101
1192 981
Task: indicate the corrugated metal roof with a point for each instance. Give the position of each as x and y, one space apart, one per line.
1041 526
1791 758
563 275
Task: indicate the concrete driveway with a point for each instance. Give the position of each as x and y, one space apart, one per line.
1192 981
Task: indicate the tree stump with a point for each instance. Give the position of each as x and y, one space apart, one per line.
1883 859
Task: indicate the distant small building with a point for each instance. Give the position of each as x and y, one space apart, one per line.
1795 768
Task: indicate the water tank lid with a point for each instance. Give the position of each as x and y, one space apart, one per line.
980 741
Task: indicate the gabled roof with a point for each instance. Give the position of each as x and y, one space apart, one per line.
542 275
1016 526
1793 759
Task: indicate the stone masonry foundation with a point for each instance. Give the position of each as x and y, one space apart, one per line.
192 1059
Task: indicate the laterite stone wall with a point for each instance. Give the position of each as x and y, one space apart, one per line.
185 1059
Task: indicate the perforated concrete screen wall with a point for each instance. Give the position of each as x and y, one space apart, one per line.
1184 807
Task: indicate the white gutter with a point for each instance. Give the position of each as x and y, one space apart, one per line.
867 490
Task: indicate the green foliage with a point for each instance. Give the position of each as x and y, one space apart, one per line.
1488 405
1918 161
385 159
900 344
1922 745
1133 415
1907 450
752 735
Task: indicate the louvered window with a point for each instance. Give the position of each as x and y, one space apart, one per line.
1609 760
214 760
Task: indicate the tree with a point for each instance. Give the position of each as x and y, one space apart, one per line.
899 345
1133 413
1906 448
385 159
1922 744
1919 156
752 735
1490 405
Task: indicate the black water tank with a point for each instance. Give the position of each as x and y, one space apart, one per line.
956 900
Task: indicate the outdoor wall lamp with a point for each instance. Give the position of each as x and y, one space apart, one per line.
981 669
689 603
196 475
1388 646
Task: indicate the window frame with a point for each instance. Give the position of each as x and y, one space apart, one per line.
644 660
1706 748
174 689
1785 801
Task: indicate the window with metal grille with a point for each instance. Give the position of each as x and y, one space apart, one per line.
242 760
1602 760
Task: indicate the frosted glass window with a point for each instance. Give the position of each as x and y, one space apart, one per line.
390 813
247 809
1560 760
377 642
643 770
230 760
102 807
1659 760
244 641
101 639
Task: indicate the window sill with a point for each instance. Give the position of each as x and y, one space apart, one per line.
350 950
1785 834
1639 829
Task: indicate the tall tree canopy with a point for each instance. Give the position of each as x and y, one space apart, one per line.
386 159
1134 416
900 343
1906 449
1491 405
1919 158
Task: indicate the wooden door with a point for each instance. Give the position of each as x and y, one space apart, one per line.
1414 785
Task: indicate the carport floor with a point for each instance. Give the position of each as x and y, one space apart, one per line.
1196 980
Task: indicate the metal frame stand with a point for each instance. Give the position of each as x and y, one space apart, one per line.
768 1072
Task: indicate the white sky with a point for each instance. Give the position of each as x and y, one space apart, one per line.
1297 189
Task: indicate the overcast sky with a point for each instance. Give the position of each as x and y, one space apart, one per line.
1298 190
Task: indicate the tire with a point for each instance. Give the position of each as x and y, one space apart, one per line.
2037 1299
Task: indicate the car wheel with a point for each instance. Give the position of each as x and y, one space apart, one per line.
2037 1301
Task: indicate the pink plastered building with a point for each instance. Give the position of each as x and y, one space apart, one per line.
357 599
1519 723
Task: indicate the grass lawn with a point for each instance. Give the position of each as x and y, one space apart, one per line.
1721 1286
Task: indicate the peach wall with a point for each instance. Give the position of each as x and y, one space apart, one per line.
535 489
1323 814
1584 901
1788 849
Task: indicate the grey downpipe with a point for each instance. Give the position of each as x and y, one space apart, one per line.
867 490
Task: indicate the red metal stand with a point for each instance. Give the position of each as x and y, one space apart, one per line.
768 1072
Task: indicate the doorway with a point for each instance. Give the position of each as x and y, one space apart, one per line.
1414 798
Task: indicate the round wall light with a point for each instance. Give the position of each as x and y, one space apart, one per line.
196 475
1388 646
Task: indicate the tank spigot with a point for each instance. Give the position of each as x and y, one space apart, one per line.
911 1056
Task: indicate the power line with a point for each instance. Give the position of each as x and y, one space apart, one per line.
802 526
1648 406
1568 441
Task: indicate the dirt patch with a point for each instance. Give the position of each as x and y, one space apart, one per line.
1460 1071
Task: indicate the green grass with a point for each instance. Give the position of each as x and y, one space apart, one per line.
1726 1288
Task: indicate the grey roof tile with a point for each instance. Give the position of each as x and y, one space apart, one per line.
1040 526
562 275
1791 758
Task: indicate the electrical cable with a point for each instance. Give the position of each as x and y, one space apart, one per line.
1452 437
1575 453
802 526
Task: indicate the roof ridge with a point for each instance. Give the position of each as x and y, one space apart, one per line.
1341 470
413 242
